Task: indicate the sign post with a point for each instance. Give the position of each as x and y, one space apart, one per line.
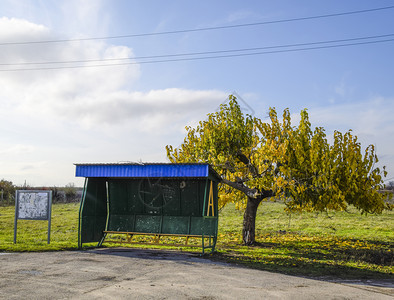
33 205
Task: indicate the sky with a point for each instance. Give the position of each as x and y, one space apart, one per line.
117 80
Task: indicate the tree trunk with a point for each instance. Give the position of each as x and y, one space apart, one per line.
249 223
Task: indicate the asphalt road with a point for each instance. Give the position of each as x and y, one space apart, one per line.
119 273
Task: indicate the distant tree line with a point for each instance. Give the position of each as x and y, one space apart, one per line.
7 192
68 193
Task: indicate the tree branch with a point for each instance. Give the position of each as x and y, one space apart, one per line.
253 193
244 159
241 187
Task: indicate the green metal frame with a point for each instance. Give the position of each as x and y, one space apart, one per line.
167 206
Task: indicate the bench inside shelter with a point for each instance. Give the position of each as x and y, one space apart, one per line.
162 203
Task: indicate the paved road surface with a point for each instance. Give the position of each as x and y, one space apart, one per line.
119 273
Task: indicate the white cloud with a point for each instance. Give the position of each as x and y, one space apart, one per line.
52 118
371 121
17 30
89 17
93 96
17 149
368 117
240 15
54 90
342 89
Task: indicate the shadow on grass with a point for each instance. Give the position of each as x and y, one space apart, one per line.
379 256
292 266
313 260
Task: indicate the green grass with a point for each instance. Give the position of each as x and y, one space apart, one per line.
32 234
339 244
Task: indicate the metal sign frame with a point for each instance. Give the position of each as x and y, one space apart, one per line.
33 205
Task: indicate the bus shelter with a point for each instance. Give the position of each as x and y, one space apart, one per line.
152 199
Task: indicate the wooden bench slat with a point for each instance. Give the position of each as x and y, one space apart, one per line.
156 244
156 238
157 234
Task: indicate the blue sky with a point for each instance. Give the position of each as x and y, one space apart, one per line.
50 119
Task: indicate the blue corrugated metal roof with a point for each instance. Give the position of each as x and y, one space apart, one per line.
144 170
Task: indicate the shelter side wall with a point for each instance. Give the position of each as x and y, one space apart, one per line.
94 211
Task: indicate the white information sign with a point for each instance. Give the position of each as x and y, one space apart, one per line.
33 205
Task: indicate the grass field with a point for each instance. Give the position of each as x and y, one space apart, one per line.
341 244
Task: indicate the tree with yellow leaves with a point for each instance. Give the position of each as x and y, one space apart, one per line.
259 160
